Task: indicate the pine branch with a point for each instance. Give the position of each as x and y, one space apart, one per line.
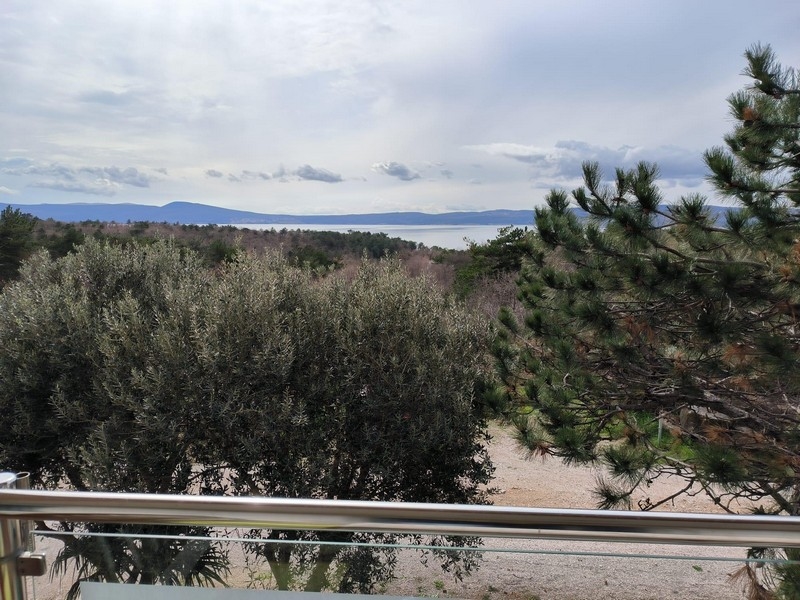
671 497
788 507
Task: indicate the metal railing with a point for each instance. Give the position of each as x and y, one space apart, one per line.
20 505
408 518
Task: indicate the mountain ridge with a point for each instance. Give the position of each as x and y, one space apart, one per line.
191 213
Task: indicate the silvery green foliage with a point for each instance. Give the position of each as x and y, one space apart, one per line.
136 369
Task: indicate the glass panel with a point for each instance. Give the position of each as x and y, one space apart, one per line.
500 569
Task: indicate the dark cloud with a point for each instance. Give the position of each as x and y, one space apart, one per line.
214 173
564 160
97 188
161 170
396 169
312 174
447 173
233 178
129 176
673 162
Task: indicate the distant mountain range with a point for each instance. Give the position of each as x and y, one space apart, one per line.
203 214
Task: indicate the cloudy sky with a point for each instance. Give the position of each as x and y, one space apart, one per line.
320 106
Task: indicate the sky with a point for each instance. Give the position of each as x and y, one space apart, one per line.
364 106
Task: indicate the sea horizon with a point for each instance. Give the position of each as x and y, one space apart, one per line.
451 237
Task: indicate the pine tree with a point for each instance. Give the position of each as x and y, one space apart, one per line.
672 331
16 237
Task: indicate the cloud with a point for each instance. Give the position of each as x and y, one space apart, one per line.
247 176
8 191
161 170
214 173
102 181
51 170
564 160
100 187
256 175
446 173
129 176
310 173
396 169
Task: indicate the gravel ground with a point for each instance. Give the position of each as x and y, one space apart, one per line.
548 569
522 570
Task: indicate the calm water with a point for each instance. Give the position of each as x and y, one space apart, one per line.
453 236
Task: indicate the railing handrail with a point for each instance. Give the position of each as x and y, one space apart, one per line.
403 518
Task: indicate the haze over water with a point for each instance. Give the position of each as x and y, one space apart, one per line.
455 237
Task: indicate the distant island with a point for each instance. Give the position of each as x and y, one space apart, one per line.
190 213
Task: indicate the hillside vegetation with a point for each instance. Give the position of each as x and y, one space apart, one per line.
483 276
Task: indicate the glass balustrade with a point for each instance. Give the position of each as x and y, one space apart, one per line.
232 564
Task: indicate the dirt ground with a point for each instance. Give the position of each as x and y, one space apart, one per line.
551 570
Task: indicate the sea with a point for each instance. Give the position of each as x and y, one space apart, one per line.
453 237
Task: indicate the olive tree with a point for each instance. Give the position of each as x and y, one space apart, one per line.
74 332
136 369
343 389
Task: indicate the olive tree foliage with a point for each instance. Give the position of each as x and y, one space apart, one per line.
74 332
373 398
137 369
663 340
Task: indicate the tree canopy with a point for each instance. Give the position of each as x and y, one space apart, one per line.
662 340
136 368
16 236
